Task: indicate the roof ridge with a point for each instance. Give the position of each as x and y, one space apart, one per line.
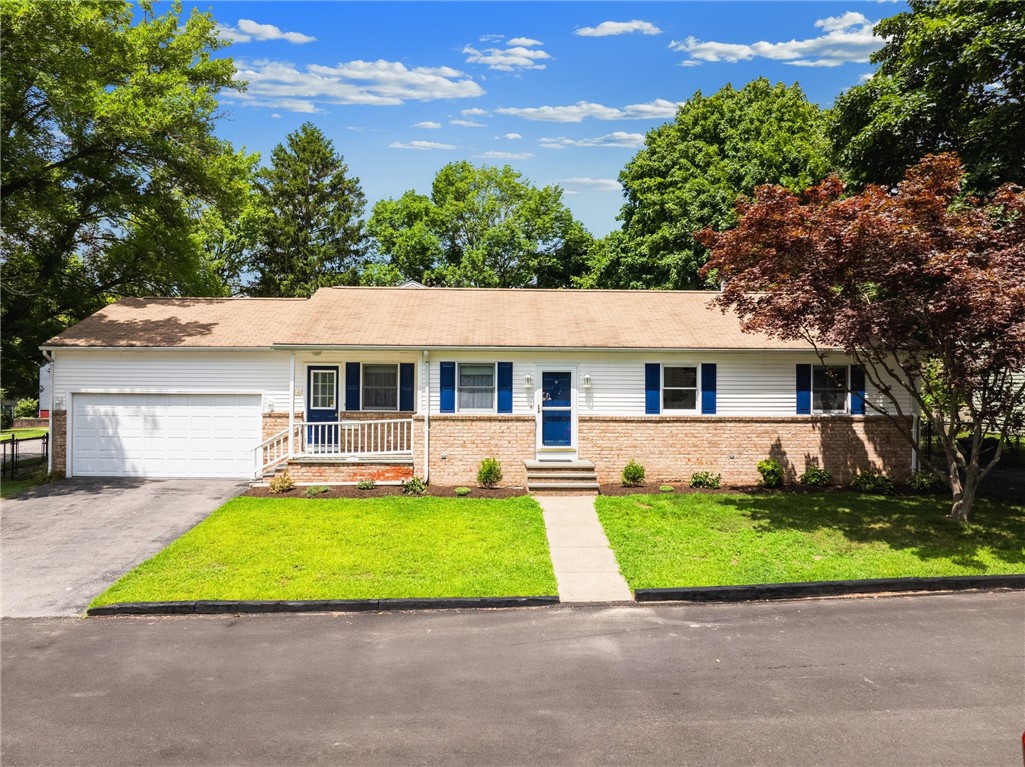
565 291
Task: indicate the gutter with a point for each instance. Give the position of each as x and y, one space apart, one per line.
427 415
48 355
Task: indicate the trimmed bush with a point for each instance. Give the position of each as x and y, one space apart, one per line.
414 486
281 483
772 473
872 481
666 489
925 482
706 479
365 484
816 476
633 474
490 472
27 408
462 492
315 490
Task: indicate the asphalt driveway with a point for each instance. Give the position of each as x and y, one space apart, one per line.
63 543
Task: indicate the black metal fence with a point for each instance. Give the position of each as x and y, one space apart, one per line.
23 456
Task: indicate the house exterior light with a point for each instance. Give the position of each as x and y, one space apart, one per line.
528 381
587 381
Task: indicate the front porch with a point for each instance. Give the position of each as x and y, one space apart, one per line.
339 452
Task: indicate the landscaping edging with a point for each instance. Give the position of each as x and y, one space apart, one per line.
214 607
764 591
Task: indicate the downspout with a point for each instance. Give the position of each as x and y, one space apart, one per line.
49 356
427 415
291 405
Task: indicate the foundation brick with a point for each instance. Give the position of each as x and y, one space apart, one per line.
460 442
59 439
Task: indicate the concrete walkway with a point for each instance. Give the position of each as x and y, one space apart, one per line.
585 567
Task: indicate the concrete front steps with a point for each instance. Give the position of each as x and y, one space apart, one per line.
561 476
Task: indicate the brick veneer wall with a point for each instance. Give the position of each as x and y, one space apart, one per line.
59 439
460 442
671 448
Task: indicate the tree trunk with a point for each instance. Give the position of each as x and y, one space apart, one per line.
964 492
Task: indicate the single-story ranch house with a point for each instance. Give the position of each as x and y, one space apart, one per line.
387 383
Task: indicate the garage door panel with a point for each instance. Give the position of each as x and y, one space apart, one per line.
165 435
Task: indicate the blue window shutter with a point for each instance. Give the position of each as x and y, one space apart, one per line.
804 389
652 388
352 386
857 390
448 387
406 387
707 389
505 398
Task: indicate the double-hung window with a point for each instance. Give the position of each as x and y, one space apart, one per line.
679 388
380 387
829 389
476 387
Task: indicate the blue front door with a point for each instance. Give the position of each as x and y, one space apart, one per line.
556 409
322 408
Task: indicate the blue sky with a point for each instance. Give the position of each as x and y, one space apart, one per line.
562 92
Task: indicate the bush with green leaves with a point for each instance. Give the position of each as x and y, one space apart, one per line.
706 479
314 490
462 492
414 486
633 474
666 489
281 483
816 476
772 473
27 408
490 472
925 482
872 481
6 418
365 484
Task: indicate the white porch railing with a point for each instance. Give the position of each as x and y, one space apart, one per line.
337 439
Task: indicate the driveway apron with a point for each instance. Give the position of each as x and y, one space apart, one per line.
64 543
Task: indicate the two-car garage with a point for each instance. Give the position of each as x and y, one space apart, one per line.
164 435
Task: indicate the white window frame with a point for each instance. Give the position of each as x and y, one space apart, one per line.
494 388
313 390
847 393
363 391
697 389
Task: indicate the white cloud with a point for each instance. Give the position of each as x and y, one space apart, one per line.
847 38
594 184
474 112
607 28
423 146
510 136
490 38
376 83
275 115
429 124
574 113
519 54
615 139
507 155
248 30
466 123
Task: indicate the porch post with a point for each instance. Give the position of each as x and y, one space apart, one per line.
291 404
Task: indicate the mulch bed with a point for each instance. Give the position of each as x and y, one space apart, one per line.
683 488
381 491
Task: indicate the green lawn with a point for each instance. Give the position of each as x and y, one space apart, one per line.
269 548
12 487
21 433
716 540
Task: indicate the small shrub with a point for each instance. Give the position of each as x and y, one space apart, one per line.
872 481
816 476
365 484
414 486
666 489
6 418
490 473
633 474
925 482
771 471
462 491
27 408
314 490
706 479
282 483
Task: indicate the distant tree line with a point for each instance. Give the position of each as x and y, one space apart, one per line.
114 183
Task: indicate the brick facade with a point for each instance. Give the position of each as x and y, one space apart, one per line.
59 439
460 442
337 473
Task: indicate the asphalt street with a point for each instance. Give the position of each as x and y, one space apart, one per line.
918 680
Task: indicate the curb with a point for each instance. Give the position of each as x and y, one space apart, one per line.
765 591
215 607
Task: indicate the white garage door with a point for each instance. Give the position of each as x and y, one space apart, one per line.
164 435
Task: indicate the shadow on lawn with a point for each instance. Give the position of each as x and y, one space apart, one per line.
917 525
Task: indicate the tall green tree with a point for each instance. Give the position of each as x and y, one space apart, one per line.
109 159
951 77
481 226
311 234
690 172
